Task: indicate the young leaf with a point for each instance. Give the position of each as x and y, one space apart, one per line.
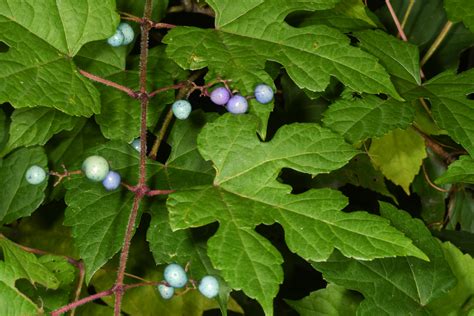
399 155
35 126
459 300
392 286
19 264
359 119
44 46
310 55
18 198
333 300
245 193
461 10
461 170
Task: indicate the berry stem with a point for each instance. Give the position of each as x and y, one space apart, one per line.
109 83
183 91
144 100
439 39
163 89
83 301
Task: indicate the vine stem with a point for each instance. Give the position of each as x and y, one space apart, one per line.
407 13
439 39
144 100
109 83
396 21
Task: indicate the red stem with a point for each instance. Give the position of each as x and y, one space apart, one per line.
163 89
81 302
144 99
109 83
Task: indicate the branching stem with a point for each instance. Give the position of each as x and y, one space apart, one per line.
109 83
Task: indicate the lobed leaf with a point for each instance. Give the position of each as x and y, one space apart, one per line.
245 193
395 285
461 10
38 60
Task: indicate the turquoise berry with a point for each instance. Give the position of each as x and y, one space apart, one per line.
35 174
111 181
116 39
263 93
128 33
209 286
95 168
166 292
175 275
181 109
136 144
220 96
237 104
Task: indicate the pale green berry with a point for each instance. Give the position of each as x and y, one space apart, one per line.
35 174
95 168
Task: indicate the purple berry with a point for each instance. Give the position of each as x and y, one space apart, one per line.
237 104
111 181
263 93
220 96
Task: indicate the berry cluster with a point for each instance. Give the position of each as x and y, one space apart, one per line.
95 168
236 104
123 36
176 278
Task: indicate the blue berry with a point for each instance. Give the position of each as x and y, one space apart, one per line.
237 104
127 32
166 292
175 275
209 286
111 181
181 109
263 93
95 168
35 174
220 96
116 39
136 144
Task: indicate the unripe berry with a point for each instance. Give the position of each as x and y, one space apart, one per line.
127 32
237 104
181 109
95 168
209 286
136 144
35 174
263 93
220 96
166 292
175 275
116 39
111 181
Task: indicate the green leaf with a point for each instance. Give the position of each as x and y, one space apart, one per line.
310 55
18 198
98 219
461 11
347 16
101 59
395 286
399 155
359 119
44 46
461 170
459 300
239 202
451 108
36 126
19 264
4 126
99 235
333 300
400 58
